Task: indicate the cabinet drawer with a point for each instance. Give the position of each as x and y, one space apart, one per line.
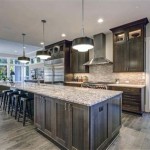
131 97
131 108
126 89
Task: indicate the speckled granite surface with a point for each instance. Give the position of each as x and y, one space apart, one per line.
84 96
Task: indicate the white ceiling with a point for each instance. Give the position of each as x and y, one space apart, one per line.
64 16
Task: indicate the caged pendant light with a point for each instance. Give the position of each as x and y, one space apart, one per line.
23 59
83 43
43 54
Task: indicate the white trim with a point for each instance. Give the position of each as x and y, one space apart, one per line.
147 98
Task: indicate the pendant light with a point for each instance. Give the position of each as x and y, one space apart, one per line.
83 43
23 59
43 54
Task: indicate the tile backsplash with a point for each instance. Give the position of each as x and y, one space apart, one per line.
105 73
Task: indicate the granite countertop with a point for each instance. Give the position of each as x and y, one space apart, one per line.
83 96
127 85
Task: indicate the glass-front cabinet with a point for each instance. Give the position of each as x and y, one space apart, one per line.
129 46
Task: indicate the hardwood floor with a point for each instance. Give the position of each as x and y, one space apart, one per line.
13 136
134 135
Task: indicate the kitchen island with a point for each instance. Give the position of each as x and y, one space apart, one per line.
76 118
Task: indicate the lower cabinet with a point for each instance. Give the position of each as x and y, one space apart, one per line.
78 127
132 98
39 111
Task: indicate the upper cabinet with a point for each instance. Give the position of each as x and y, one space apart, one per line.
129 47
77 61
59 50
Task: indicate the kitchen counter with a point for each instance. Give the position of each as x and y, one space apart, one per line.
74 117
84 96
127 85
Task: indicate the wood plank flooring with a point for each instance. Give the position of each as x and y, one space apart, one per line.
134 135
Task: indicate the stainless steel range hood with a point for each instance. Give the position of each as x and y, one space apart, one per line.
99 51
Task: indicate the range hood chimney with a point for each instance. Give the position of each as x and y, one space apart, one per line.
99 51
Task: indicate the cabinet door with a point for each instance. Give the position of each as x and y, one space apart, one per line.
49 117
80 127
136 49
99 125
61 124
83 57
74 61
114 115
39 111
77 61
120 57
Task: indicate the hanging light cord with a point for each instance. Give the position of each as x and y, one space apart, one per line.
82 17
44 21
23 35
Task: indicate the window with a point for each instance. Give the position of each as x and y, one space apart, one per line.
3 72
3 61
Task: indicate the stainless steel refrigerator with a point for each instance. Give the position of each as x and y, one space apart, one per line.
54 71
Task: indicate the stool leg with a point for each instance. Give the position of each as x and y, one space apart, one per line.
16 107
4 101
19 111
24 112
1 101
9 103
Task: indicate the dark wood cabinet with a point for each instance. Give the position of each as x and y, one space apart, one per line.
43 114
129 47
132 98
77 61
39 111
78 127
120 57
48 116
61 49
61 123
100 125
115 111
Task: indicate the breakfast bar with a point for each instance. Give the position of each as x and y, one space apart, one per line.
76 118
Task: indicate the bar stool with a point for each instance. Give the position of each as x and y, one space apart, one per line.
4 98
9 98
25 109
16 102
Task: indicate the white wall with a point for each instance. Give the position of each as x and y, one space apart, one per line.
147 101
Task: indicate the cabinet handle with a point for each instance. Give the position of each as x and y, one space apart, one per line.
100 109
69 107
65 106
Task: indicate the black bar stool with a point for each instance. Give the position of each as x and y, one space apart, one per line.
25 109
16 103
9 98
4 98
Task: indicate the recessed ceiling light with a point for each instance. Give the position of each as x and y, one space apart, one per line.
24 47
42 43
63 35
100 20
15 51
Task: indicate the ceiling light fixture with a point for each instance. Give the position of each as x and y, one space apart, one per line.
63 35
23 59
100 20
83 43
43 54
